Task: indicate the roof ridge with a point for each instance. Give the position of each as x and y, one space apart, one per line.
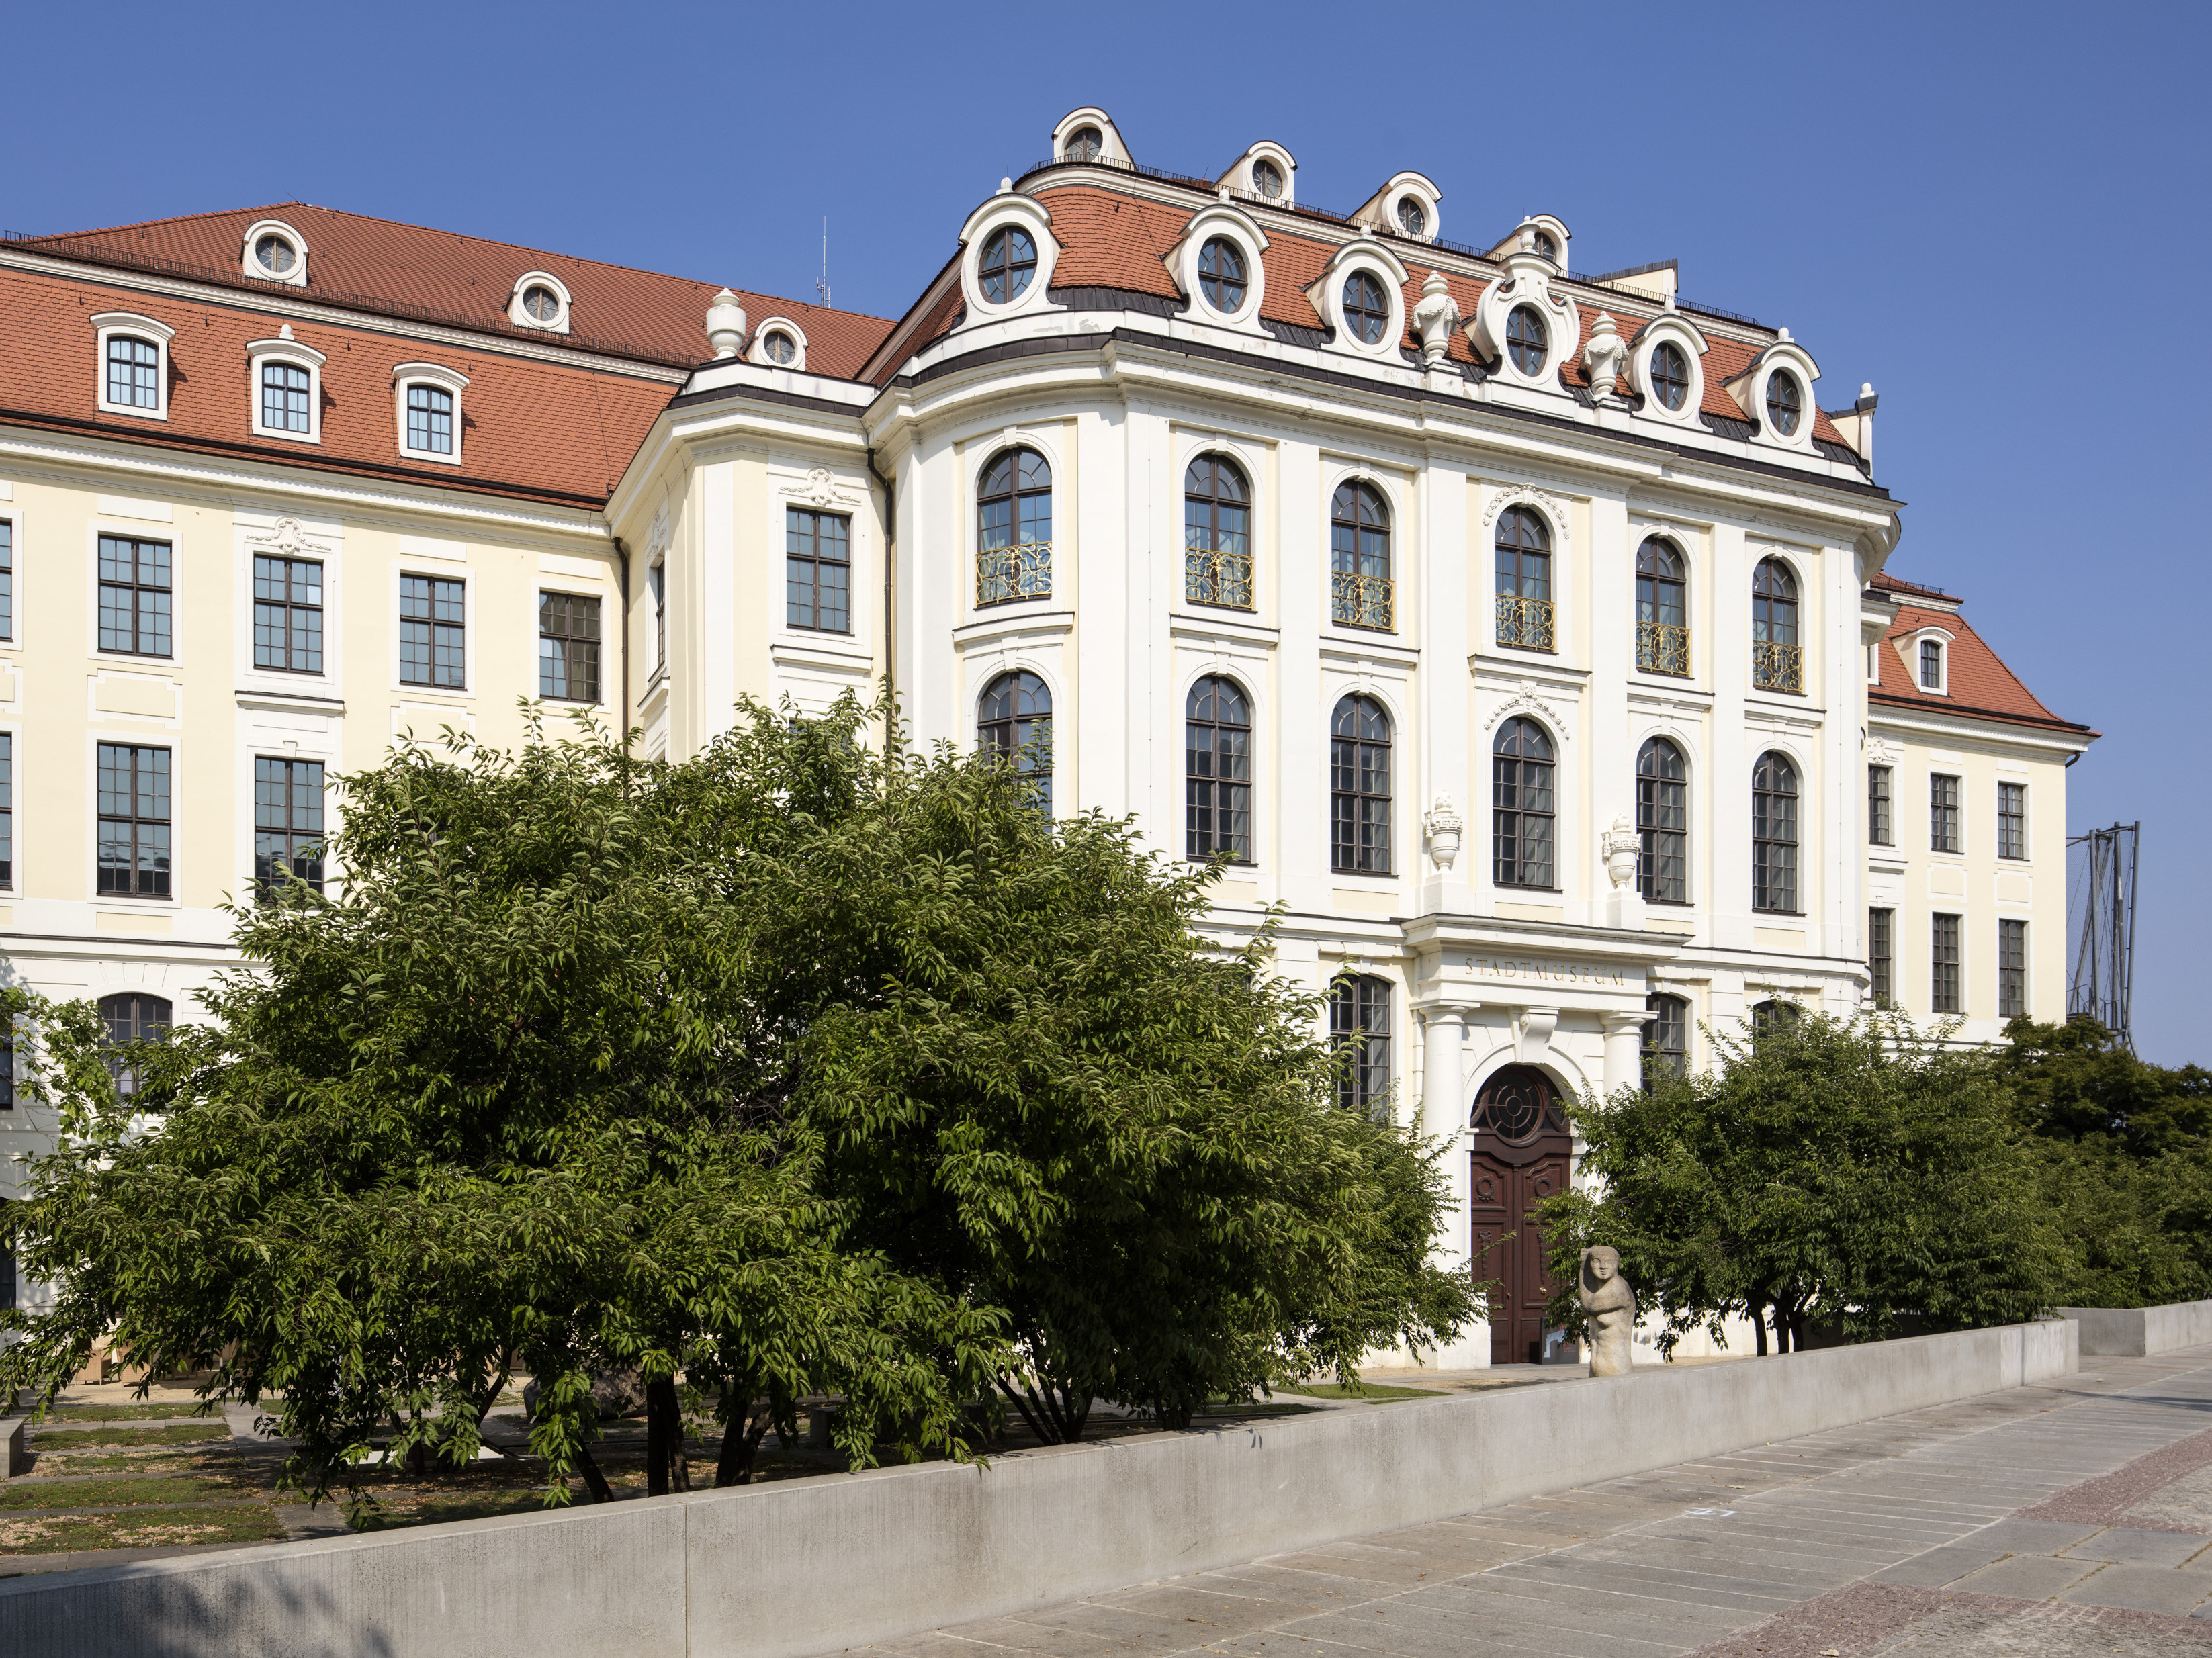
173 218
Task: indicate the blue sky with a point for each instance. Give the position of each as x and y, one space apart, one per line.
1996 214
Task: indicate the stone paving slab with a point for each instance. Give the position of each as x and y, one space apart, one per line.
2064 1521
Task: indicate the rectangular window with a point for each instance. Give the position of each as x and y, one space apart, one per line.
430 420
134 368
1931 665
2011 820
1944 965
285 390
8 1084
1882 830
658 575
135 596
287 614
568 648
134 820
433 647
288 824
2012 969
1942 812
7 809
818 570
1881 943
7 579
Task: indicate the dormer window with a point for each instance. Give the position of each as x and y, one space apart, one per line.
1670 374
1267 179
274 254
1413 217
1366 308
1009 264
1221 274
1936 664
429 410
1785 403
777 347
541 301
287 388
1085 144
1526 340
541 304
1546 245
133 364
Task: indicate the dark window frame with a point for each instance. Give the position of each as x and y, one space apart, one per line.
2012 822
570 623
138 818
1413 216
1013 509
1086 143
147 595
1881 803
1946 819
1013 721
293 402
288 824
286 623
1224 280
1216 526
7 578
1662 600
435 419
139 377
1881 956
428 633
1366 307
1662 822
1008 263
1359 540
1524 807
1528 343
817 561
1665 1039
2011 968
1946 973
1776 840
133 1016
1359 792
1931 665
1670 375
1785 403
1265 174
1218 772
6 809
1359 1016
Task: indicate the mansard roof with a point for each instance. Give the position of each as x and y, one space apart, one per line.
1981 686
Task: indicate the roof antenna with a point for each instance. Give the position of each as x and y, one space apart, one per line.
822 286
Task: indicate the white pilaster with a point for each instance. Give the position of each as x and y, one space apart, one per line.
1624 1043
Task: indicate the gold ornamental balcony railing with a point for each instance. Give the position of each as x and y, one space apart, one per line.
1526 622
1211 576
1004 574
1777 667
1663 647
1365 601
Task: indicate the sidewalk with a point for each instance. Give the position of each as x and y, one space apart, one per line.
2059 1521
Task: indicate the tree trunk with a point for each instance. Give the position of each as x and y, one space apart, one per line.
593 1478
1759 1326
666 1468
744 1423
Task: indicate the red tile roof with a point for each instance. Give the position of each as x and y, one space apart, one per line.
1886 583
353 254
1981 685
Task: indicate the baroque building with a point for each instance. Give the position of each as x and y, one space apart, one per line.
1525 636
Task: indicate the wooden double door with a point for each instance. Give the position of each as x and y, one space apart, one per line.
1522 1155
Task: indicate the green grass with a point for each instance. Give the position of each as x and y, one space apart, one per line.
160 1459
148 1528
65 1439
106 1493
123 1412
1370 1390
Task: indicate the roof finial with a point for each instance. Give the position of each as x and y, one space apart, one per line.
726 325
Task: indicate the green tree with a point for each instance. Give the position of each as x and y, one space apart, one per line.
1850 1174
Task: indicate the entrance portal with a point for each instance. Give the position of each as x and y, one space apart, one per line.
1522 1151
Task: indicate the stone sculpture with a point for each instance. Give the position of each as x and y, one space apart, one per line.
1602 356
1609 1311
1435 318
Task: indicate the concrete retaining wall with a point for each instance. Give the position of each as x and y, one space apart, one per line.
803 1567
2139 1332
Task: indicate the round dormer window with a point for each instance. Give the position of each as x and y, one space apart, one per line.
1784 403
541 304
1546 245
778 347
1267 179
1221 274
276 255
1412 218
1670 375
1086 145
1527 339
1009 264
1366 308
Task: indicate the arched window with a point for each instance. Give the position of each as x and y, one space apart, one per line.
1522 805
1784 403
285 389
1015 721
1670 375
1774 835
133 368
1527 339
1085 144
1666 1036
1771 1014
131 1017
1359 786
1524 581
1221 274
1413 217
1662 608
1014 556
1216 534
1218 772
1008 264
1663 814
1776 665
1362 595
1366 308
1267 178
1359 1022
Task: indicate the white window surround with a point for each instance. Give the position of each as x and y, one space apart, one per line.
1110 147
250 261
1239 176
320 542
1363 253
1671 328
1557 513
1381 210
1550 225
1749 390
1249 675
1528 281
13 638
1406 825
1006 209
404 690
106 324
1908 646
1239 228
426 374
173 740
522 319
778 325
286 350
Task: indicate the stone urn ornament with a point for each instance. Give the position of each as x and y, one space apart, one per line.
1608 1312
1443 824
1435 318
1623 846
1602 356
